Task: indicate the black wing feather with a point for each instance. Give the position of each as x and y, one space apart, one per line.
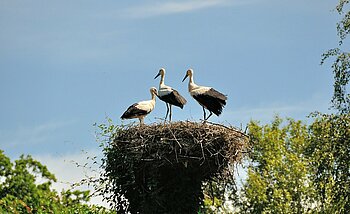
133 112
174 98
212 100
214 93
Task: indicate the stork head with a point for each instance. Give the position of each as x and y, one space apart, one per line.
153 90
161 73
189 73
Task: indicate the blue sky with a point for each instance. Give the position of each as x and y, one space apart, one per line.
65 65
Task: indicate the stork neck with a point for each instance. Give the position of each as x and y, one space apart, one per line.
153 96
191 84
161 80
191 79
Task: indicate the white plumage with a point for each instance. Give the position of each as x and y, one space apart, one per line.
207 97
169 95
141 109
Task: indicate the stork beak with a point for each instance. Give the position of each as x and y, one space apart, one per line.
157 76
185 78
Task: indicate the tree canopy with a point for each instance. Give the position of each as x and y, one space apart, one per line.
297 168
329 154
278 171
25 187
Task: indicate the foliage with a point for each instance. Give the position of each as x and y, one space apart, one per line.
219 196
278 171
329 152
341 64
329 139
160 168
341 70
22 192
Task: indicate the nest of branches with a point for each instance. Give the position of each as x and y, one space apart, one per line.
160 168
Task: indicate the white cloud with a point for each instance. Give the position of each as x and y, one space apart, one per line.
173 7
67 172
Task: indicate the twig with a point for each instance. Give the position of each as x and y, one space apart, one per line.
217 124
202 154
175 137
190 157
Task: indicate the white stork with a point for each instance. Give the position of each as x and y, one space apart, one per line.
169 95
207 97
141 109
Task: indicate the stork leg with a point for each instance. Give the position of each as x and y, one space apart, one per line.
167 112
170 113
204 113
211 113
141 121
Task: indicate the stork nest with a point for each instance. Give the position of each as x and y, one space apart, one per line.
160 168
